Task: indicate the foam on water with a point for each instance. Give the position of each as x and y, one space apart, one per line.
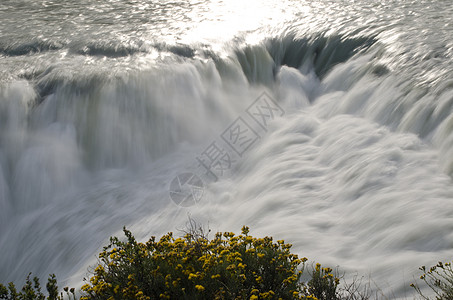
355 174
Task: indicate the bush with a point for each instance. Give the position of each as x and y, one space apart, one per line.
32 290
323 285
227 267
193 267
439 279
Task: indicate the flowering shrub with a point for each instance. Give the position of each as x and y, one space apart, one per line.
323 284
193 267
439 279
227 267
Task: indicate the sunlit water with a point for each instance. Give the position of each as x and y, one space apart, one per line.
103 103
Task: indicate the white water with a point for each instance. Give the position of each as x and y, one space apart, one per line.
356 174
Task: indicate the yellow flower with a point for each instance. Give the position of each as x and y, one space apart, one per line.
228 234
199 287
245 230
99 268
253 297
116 289
224 252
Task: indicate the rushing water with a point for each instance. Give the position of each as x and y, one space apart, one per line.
103 103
